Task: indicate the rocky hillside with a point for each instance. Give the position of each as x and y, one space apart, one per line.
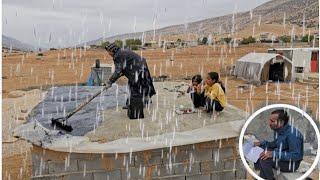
293 10
272 11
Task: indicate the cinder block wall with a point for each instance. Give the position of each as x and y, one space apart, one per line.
206 161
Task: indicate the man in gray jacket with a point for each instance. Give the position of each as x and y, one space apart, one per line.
135 68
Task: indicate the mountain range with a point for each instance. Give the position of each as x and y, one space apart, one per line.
11 43
274 11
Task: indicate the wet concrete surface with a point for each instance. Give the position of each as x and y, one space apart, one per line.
59 101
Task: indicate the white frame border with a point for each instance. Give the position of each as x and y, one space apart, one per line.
287 106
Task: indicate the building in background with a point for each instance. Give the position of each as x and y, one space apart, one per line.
304 60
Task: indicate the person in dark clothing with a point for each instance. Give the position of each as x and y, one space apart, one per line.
196 91
135 68
285 152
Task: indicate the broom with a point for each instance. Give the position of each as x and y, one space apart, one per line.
61 122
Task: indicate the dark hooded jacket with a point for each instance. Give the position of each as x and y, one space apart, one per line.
135 68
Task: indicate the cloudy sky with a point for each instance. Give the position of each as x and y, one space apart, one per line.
49 23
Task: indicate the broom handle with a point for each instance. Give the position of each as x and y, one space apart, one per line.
85 103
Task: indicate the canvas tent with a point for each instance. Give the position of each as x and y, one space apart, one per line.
261 67
304 60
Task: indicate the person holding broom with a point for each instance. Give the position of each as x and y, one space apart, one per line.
134 67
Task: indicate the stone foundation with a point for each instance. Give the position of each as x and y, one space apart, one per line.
208 160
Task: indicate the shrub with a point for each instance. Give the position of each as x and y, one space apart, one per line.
306 38
104 44
118 43
248 40
285 39
133 43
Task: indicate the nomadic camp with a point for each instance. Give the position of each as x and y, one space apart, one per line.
261 67
304 60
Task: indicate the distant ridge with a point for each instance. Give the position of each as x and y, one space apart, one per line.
270 12
11 43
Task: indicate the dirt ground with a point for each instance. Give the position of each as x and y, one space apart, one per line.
29 71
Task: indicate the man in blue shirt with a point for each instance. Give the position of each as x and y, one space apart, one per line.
285 152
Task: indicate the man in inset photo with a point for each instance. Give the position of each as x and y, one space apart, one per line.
285 152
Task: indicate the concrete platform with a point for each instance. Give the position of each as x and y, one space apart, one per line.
163 145
162 126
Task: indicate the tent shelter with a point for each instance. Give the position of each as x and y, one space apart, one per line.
261 67
304 60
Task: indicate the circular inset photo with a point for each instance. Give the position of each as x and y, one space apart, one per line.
280 141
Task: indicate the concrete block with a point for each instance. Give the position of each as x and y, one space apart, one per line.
108 175
116 162
162 171
88 165
223 175
59 167
78 176
37 163
208 166
199 177
174 177
228 175
203 154
179 156
223 153
186 168
139 172
147 158
126 174
85 156
230 164
189 147
49 154
105 163
219 143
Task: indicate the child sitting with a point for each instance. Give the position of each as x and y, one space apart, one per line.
215 98
196 91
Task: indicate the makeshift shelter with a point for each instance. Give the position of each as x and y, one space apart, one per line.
261 67
304 60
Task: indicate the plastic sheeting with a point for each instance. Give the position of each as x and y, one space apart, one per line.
301 58
254 67
61 100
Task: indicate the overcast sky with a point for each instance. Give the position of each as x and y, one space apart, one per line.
51 23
